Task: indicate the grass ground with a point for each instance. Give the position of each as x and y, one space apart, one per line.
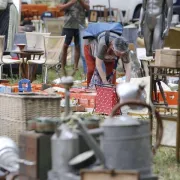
164 162
52 75
165 165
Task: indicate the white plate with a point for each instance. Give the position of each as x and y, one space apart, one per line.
81 157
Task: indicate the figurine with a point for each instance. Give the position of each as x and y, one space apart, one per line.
153 25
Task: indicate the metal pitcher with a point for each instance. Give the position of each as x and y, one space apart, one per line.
125 141
64 146
64 143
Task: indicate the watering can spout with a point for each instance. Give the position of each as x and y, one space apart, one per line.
91 142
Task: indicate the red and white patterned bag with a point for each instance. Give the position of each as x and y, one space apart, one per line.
106 99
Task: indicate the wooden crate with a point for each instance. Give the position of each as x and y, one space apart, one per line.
171 97
85 99
167 57
109 175
35 147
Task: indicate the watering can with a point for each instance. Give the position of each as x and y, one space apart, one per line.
64 146
125 141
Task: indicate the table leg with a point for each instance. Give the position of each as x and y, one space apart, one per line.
32 73
151 71
178 126
151 82
155 93
162 93
23 72
142 69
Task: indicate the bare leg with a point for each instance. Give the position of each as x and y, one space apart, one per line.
77 56
127 67
157 39
148 39
64 57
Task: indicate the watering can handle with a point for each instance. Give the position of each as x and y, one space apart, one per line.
158 119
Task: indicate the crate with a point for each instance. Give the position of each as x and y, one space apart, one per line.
17 109
35 147
85 99
171 97
167 57
110 175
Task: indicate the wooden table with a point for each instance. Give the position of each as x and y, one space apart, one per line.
28 71
168 116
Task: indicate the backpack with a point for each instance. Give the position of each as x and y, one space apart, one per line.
94 29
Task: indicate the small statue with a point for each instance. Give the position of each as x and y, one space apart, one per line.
153 24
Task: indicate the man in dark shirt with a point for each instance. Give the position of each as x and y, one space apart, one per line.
74 15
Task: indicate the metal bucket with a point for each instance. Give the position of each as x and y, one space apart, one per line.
128 147
125 141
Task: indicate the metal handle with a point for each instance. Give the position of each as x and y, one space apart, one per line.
26 162
105 85
90 140
18 175
158 119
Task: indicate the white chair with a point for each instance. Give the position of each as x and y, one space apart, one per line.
54 25
5 59
35 40
53 47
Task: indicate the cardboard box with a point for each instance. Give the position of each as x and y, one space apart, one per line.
171 97
78 108
85 99
167 57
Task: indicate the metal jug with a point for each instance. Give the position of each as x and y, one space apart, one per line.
125 141
131 92
64 146
64 143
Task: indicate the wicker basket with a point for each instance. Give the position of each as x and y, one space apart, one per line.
17 109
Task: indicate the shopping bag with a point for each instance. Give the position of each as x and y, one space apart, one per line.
96 79
106 99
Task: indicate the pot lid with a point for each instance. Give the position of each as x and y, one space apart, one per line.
123 120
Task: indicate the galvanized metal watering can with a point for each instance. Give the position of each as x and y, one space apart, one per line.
64 142
125 141
64 146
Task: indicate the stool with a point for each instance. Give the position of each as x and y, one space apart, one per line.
27 87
